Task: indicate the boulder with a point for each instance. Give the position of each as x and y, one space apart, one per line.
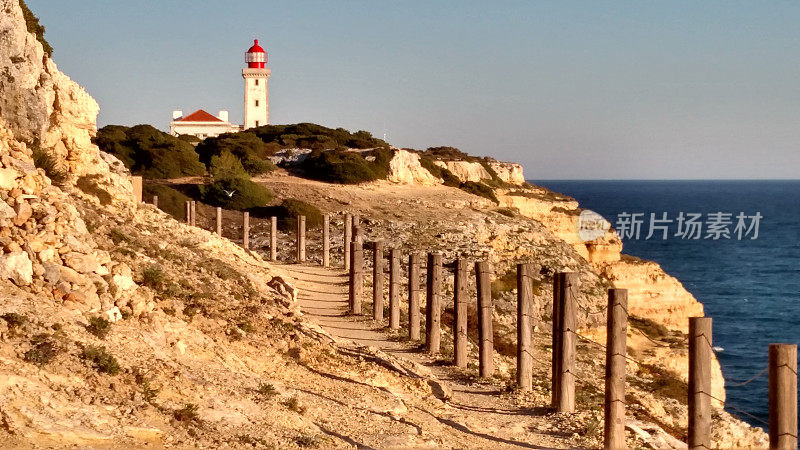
17 267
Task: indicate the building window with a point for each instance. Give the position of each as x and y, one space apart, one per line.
256 81
256 123
256 102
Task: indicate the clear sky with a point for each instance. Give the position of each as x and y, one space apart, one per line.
590 89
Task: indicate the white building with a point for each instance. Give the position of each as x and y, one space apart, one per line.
256 103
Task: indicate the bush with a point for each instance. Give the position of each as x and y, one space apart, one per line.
447 153
33 26
153 276
99 327
479 189
47 162
245 146
288 211
439 172
226 166
170 200
186 414
43 351
316 137
101 360
14 320
235 193
150 152
347 167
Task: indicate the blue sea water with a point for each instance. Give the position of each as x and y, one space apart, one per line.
751 288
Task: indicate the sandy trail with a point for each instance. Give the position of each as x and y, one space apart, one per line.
477 407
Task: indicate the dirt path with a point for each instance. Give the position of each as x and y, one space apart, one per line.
476 408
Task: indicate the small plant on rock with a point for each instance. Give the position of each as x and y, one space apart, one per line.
43 351
14 320
267 390
186 414
99 327
153 276
293 403
101 360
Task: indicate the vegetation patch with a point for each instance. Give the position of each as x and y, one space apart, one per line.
99 327
315 137
150 152
235 193
439 172
288 211
189 413
14 320
508 212
479 189
47 162
251 152
447 153
153 276
170 200
267 390
43 351
100 359
347 167
33 26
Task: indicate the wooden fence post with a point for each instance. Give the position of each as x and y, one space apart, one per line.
524 307
783 396
485 307
413 296
194 213
326 240
558 279
377 280
460 302
394 289
433 304
273 238
136 183
566 364
356 276
301 239
358 235
188 212
155 201
219 220
348 237
700 351
246 230
616 335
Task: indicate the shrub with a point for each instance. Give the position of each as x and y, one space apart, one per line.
101 360
347 167
153 276
448 153
235 193
288 211
244 146
293 403
150 152
33 26
14 320
316 137
99 327
226 166
43 351
478 189
47 162
440 172
267 390
186 414
170 200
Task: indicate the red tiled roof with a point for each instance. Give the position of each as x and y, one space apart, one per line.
200 116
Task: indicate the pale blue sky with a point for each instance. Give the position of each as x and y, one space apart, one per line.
591 89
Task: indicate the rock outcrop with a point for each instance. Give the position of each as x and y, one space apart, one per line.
405 168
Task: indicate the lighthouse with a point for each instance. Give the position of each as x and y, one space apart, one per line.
256 91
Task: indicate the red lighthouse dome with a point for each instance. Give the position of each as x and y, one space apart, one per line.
256 57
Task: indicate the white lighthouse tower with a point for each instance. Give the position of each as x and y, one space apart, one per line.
256 91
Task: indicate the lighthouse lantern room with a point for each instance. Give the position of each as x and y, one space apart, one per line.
256 91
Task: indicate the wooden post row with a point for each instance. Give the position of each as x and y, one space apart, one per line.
566 346
413 296
783 396
394 289
326 240
460 302
700 352
348 237
433 305
377 280
485 335
616 335
155 201
301 239
273 238
188 212
246 230
219 220
194 213
356 276
524 309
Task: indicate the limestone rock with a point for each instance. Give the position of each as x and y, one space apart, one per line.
405 168
17 267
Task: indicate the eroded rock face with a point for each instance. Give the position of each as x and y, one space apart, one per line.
466 170
508 172
405 168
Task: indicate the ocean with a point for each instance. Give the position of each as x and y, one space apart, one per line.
750 287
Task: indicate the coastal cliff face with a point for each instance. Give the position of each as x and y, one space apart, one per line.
405 168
